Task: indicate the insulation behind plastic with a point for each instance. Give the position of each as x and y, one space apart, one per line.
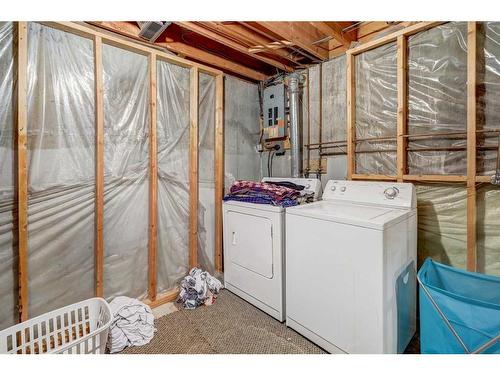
61 168
241 131
437 103
488 115
442 223
8 245
173 174
376 109
206 176
488 229
126 172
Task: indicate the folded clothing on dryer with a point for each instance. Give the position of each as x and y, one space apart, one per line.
263 193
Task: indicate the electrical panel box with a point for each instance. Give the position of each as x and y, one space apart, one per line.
274 112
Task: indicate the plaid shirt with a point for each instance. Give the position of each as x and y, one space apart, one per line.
262 193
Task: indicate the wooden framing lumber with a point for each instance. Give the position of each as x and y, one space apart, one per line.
421 26
377 177
301 34
193 167
219 169
131 31
194 27
335 31
153 182
99 170
471 145
163 298
351 116
133 46
402 105
434 178
22 171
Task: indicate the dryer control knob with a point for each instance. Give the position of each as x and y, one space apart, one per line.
391 192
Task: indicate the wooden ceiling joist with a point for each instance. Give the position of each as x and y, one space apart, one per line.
300 34
194 27
334 30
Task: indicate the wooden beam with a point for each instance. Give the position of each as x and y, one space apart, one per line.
214 60
435 178
351 116
194 27
301 34
219 168
163 298
22 170
335 31
402 106
193 168
99 169
407 31
471 145
153 181
378 177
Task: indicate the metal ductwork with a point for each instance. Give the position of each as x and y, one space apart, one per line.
295 149
151 30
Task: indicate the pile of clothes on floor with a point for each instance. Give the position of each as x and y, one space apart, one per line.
198 288
132 325
275 193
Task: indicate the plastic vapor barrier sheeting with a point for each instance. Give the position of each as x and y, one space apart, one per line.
376 109
61 168
206 176
488 115
437 98
442 223
8 246
173 174
126 172
488 230
241 131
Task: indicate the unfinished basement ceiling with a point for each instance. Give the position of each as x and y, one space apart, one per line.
256 50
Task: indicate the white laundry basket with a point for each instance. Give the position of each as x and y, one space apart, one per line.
80 328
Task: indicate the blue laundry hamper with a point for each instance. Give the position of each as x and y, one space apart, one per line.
459 310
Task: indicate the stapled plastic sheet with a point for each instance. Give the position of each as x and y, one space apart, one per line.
488 233
206 175
61 168
173 174
126 172
437 103
241 131
8 246
442 223
488 115
376 109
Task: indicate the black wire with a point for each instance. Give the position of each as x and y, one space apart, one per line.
268 163
272 157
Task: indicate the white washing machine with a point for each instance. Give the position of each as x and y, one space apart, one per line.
254 258
351 267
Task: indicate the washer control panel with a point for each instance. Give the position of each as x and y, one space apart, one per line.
372 192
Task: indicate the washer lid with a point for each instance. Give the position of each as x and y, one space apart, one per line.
375 217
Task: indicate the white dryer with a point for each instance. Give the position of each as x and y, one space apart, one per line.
254 258
351 267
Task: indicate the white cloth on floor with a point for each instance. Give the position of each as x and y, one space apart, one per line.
198 288
132 325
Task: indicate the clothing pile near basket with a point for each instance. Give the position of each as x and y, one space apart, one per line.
132 324
276 193
198 288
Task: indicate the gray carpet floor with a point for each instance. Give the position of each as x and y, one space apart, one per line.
230 326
